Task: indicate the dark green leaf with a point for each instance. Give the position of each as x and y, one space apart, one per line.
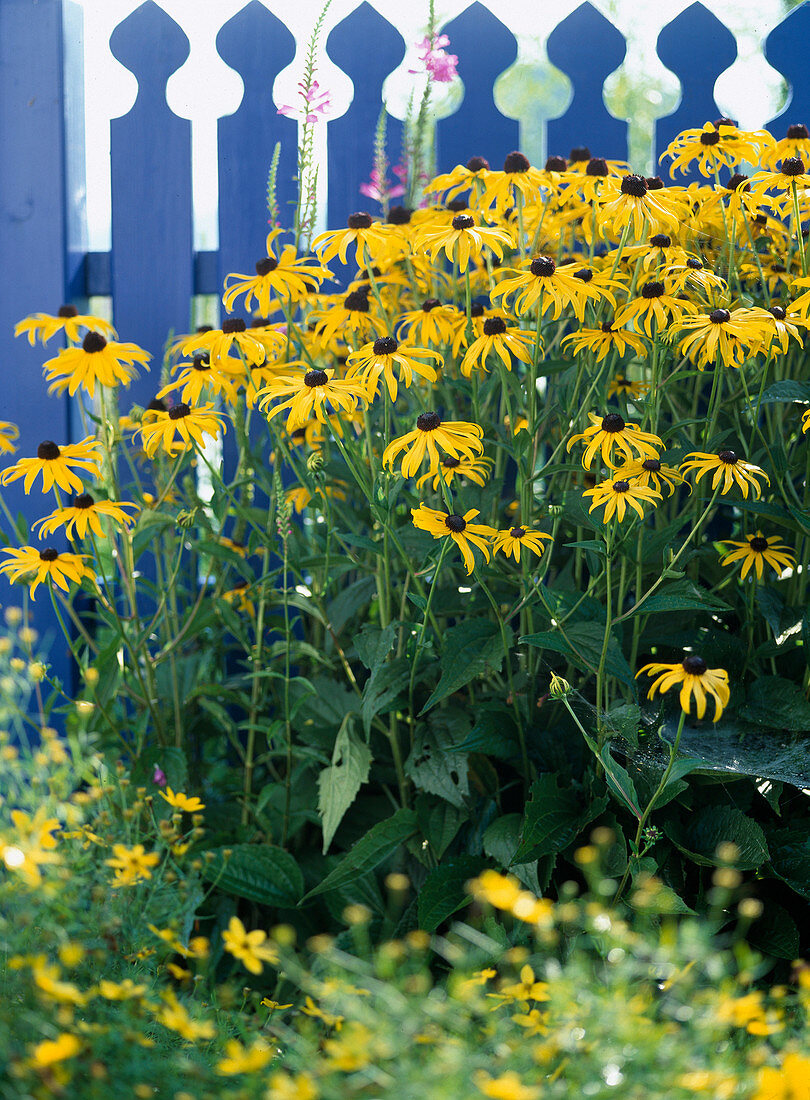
790 858
440 822
373 645
682 595
444 891
582 644
702 833
775 933
786 390
493 734
339 783
380 842
261 873
437 767
349 602
553 818
383 686
778 704
468 650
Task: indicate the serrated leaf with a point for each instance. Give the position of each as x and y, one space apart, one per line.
339 783
380 842
440 822
262 873
790 858
582 645
373 645
437 767
700 836
444 891
383 686
553 818
682 595
468 649
349 602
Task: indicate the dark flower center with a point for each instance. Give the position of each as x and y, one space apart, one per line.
93 342
494 326
67 311
695 264
792 166
694 666
516 162
265 266
612 423
463 221
543 266
761 219
579 153
234 324
652 290
386 345
607 326
47 451
48 555
83 500
299 435
204 328
719 316
399 215
456 524
758 544
797 131
201 362
516 532
556 164
430 303
634 185
428 422
654 183
778 312
360 220
477 164
723 121
711 137
476 310
622 382
653 465
736 181
315 378
621 486
178 411
597 166
457 205
661 240
584 273
728 458
450 461
357 301
157 404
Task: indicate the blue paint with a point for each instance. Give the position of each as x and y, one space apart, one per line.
485 48
786 50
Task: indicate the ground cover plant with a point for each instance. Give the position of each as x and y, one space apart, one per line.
435 570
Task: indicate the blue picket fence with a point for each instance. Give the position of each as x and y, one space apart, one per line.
152 270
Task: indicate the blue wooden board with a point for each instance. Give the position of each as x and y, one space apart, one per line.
786 50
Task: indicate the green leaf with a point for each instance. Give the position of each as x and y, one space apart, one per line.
261 873
682 595
373 645
468 650
582 645
493 734
444 891
436 766
440 822
701 834
786 390
338 784
349 602
790 858
778 704
380 842
553 818
775 933
619 782
383 686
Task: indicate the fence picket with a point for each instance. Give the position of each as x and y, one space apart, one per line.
786 50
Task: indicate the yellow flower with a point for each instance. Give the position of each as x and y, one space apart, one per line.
132 865
47 979
56 465
182 801
724 335
286 1087
621 385
605 339
97 360
729 468
696 679
611 433
432 323
545 284
241 1059
199 375
654 303
458 528
219 342
652 472
67 320
788 1082
356 314
636 204
499 890
176 1017
615 495
120 991
527 989
450 467
180 427
61 568
791 173
518 177
83 514
460 240
503 341
511 541
289 277
457 437
462 178
380 357
50 1051
307 392
248 947
506 1087
370 240
757 549
8 433
717 144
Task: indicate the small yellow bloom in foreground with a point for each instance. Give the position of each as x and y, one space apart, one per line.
284 1087
132 865
176 1017
507 1087
182 801
248 947
790 1082
51 1051
244 1059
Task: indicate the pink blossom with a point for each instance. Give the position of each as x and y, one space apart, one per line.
379 190
439 66
316 103
159 776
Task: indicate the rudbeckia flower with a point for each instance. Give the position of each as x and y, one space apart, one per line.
729 468
450 467
461 240
604 339
615 495
469 177
458 528
504 342
28 562
724 335
84 514
518 176
289 277
67 320
218 342
97 360
178 428
654 303
200 375
784 322
8 433
791 172
622 386
696 680
511 541
757 549
652 472
795 143
433 323
636 204
373 360
353 313
307 393
718 144
611 433
56 465
456 437
370 240
543 283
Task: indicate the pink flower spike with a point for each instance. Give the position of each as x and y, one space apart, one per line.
159 776
286 110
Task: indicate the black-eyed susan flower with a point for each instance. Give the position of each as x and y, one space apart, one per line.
218 342
616 494
461 240
238 597
497 338
458 528
604 339
433 323
791 173
784 324
697 681
354 313
287 276
97 360
652 472
471 176
514 538
756 550
694 273
250 948
369 238
8 434
546 285
653 304
200 375
57 465
622 386
456 437
518 177
451 467
309 392
723 335
795 143
67 320
634 205
727 468
181 427
84 514
37 565
382 358
717 145
610 434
